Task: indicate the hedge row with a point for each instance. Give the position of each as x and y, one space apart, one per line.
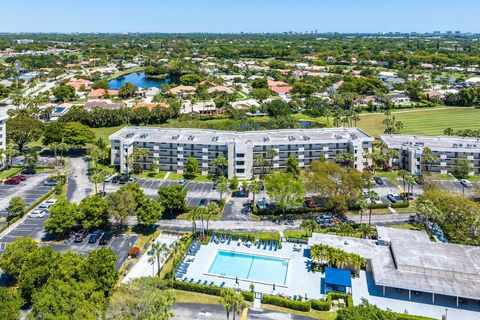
206 289
286 303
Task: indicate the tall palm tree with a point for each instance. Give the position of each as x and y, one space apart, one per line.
272 153
219 163
255 187
140 154
238 304
158 253
372 196
192 215
212 210
261 162
228 300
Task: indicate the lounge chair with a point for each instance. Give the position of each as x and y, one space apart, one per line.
205 282
259 244
271 245
221 239
275 246
222 284
191 279
212 238
229 239
264 245
185 279
199 281
212 283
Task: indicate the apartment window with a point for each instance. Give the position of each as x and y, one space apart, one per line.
240 155
240 163
240 170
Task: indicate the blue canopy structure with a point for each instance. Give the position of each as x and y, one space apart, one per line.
337 280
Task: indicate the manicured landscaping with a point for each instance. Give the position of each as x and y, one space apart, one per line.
9 172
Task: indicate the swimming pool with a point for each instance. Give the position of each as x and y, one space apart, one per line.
250 267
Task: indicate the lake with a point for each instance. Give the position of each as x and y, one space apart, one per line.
139 79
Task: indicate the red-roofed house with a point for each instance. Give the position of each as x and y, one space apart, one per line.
78 83
99 93
279 87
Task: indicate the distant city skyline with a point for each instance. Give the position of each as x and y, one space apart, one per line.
250 16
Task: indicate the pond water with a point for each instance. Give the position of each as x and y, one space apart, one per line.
139 79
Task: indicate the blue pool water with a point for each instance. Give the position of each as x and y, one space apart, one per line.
139 79
250 267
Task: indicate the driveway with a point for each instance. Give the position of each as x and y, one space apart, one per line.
237 209
78 183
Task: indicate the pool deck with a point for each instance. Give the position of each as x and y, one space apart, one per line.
299 280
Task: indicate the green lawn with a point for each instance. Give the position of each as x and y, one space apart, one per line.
426 122
9 172
104 133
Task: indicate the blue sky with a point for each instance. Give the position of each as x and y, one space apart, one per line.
238 15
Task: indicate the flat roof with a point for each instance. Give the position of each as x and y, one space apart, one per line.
389 234
413 264
440 143
267 137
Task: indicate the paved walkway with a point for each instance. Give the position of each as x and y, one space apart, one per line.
78 184
143 268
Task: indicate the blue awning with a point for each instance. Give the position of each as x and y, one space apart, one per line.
338 277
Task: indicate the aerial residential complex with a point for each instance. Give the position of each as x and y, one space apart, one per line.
171 147
448 150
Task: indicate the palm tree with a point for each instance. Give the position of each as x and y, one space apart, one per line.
261 162
157 253
98 177
10 153
410 181
228 300
238 304
2 158
328 114
255 187
192 216
308 226
140 153
222 186
428 158
402 174
345 158
212 210
219 163
372 196
272 153
31 158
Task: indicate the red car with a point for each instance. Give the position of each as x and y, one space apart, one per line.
12 181
21 177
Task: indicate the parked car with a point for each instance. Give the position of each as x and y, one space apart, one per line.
123 180
240 194
81 235
203 203
106 237
465 183
29 171
21 177
182 182
133 180
378 181
262 204
95 236
50 201
37 213
50 182
394 198
12 181
109 178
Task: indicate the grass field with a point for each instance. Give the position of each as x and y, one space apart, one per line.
426 122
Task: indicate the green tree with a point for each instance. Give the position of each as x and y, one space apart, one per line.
428 159
173 198
293 167
127 90
11 304
70 299
101 270
141 299
261 94
158 252
219 163
234 183
462 167
255 187
364 311
64 93
149 212
222 186
122 204
13 258
284 190
76 134
23 129
191 168
93 212
212 210
271 153
309 226
16 206
63 217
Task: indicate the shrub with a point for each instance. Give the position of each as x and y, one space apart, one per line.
197 287
404 204
321 305
247 295
286 303
134 252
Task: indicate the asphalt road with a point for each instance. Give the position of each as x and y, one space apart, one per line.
196 311
78 183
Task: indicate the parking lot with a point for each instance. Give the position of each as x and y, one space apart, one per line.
198 192
30 190
34 228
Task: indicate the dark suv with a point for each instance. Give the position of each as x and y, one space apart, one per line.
105 239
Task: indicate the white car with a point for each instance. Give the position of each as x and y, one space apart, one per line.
37 213
465 183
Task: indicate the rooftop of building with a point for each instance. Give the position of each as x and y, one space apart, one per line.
267 137
413 262
443 143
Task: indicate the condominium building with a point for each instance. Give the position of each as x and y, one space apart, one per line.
449 151
170 148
